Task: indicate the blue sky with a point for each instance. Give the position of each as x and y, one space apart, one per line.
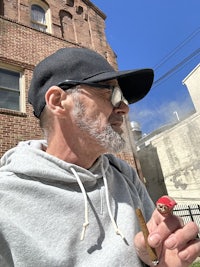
165 36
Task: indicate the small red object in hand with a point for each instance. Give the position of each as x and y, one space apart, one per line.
165 205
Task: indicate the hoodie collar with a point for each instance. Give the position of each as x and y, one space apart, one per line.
29 158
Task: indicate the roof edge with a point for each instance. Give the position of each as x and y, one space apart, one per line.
95 8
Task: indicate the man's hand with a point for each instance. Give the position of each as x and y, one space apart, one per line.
176 244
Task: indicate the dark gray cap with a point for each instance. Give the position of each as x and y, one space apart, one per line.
85 65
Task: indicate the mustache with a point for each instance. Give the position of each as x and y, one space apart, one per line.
116 119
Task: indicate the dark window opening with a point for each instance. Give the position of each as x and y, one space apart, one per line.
9 89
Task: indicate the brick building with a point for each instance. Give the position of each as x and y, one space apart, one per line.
30 30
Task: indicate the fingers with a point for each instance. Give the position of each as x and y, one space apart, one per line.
173 233
141 248
181 237
174 236
162 228
185 241
175 243
191 251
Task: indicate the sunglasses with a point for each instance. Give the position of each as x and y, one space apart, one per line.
117 96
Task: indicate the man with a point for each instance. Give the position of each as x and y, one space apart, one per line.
65 201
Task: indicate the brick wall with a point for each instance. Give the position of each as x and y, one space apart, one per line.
23 47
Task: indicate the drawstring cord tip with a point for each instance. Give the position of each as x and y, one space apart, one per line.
118 232
84 230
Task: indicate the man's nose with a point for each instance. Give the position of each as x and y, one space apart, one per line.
122 109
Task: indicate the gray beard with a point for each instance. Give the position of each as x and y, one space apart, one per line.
107 138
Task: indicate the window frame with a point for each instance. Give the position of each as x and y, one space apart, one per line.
46 9
22 96
35 23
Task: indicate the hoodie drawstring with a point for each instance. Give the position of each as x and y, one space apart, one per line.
117 230
86 223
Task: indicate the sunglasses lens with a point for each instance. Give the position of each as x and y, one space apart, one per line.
117 97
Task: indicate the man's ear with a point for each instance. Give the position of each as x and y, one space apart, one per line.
54 100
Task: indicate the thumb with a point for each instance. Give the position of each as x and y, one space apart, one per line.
143 248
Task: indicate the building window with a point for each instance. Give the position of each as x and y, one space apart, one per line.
79 10
38 19
10 97
1 8
70 2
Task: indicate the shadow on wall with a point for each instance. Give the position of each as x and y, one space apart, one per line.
152 172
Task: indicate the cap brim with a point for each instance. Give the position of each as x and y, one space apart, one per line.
135 84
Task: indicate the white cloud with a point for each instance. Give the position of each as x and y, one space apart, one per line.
152 117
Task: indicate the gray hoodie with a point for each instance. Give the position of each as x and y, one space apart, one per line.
56 214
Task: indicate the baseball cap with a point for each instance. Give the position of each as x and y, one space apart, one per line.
84 64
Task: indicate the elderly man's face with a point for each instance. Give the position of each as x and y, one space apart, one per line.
94 114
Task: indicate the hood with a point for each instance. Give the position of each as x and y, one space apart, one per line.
30 159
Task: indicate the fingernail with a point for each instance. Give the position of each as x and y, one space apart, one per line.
170 243
184 255
155 240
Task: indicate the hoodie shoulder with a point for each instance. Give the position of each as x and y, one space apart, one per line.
122 166
134 183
